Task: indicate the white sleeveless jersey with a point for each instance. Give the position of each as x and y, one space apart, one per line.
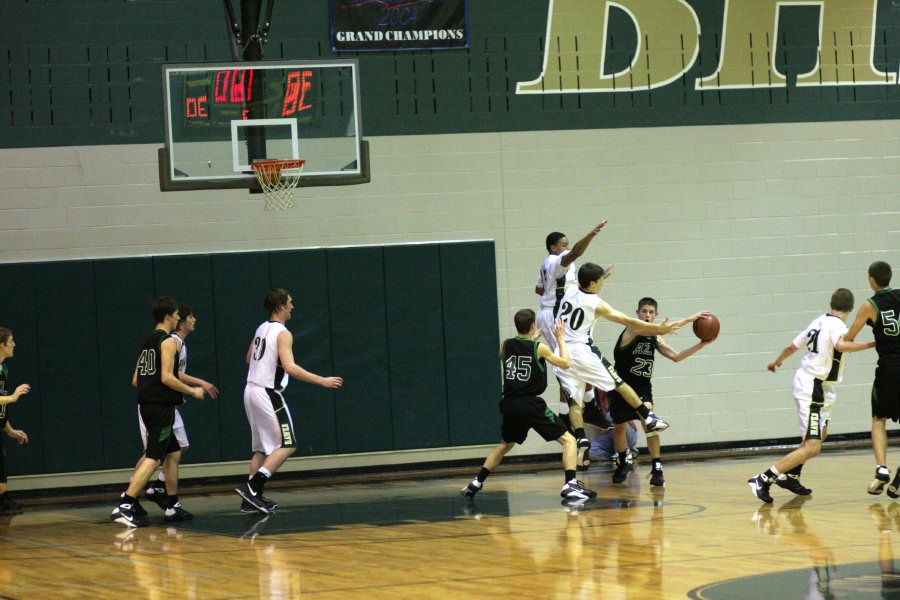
553 276
265 365
182 354
821 360
579 309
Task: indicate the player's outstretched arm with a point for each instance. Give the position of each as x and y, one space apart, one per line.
560 360
582 245
675 356
286 355
788 351
21 390
206 386
636 326
845 346
865 314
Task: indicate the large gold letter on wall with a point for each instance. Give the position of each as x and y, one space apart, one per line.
750 43
668 43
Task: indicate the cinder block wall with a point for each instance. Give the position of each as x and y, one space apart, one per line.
757 223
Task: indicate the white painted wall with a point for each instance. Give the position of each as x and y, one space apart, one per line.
757 223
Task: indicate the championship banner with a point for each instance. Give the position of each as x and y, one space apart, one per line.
361 25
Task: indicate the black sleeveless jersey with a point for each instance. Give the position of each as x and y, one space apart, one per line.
4 391
151 389
634 362
524 374
886 327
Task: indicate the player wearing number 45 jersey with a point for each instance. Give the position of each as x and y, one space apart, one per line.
524 380
271 360
820 370
882 313
580 309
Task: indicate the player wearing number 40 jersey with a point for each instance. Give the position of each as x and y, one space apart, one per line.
580 308
820 370
271 360
882 313
524 366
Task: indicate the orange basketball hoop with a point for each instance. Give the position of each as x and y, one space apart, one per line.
278 179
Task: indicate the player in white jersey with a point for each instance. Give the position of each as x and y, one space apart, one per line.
271 360
556 275
820 370
157 491
580 308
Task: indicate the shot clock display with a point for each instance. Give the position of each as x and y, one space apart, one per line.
222 117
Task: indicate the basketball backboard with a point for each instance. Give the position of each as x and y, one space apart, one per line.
221 117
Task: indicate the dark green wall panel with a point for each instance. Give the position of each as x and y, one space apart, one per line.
304 273
189 279
468 281
240 282
17 312
124 291
359 348
415 329
68 335
412 329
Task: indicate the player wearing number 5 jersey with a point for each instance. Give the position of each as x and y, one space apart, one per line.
524 380
820 370
580 308
271 360
882 313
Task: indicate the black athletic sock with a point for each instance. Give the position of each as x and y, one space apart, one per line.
579 433
173 500
483 474
258 481
126 499
570 475
771 475
656 463
643 411
622 458
796 471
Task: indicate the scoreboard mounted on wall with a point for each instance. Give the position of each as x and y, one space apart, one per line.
222 117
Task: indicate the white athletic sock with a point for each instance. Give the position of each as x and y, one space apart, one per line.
265 472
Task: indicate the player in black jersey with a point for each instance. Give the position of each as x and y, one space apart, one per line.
524 379
882 313
159 392
634 358
7 349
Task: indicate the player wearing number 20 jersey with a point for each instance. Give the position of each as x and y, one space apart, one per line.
579 310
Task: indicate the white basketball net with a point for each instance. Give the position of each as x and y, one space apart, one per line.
278 179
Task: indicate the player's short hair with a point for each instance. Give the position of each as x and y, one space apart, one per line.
554 238
275 299
184 311
648 301
524 319
880 271
5 334
842 300
162 307
589 273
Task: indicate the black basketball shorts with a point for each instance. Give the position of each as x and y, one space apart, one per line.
521 413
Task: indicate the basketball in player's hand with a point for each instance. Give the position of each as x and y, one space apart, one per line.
707 328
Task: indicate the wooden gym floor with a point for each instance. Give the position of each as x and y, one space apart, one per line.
704 536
